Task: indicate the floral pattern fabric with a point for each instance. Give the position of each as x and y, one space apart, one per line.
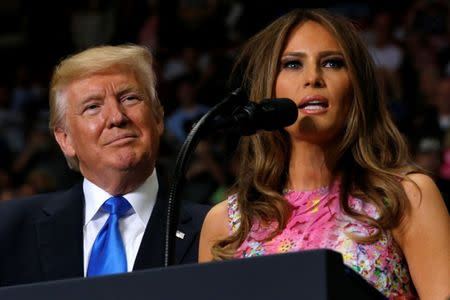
318 222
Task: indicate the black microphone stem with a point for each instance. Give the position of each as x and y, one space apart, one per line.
178 177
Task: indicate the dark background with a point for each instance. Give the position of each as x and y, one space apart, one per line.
195 43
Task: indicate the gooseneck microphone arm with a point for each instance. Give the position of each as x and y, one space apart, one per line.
182 161
234 113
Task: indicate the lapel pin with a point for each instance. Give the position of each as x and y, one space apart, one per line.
180 234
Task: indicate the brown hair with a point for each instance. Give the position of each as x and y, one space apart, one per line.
95 60
372 155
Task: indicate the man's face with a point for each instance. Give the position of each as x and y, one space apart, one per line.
109 126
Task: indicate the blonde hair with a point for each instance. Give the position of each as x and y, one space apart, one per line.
372 155
136 59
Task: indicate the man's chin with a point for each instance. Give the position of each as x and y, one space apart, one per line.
131 165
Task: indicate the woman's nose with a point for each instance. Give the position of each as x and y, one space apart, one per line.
313 78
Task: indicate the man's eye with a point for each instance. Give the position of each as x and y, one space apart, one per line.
131 98
91 107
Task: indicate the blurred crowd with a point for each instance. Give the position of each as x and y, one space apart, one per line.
195 43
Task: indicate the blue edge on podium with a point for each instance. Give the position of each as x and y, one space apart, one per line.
312 274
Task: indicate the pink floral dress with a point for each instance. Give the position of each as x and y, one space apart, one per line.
318 222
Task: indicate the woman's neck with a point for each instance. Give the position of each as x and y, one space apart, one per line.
310 167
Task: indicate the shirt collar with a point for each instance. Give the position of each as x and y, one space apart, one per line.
142 199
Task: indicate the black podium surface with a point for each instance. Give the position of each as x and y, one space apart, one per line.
315 274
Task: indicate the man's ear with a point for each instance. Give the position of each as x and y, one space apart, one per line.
64 141
160 127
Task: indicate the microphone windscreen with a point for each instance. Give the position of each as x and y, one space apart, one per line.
276 113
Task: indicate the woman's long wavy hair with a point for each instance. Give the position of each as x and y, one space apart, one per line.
372 156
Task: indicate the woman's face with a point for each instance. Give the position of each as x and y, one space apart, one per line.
313 73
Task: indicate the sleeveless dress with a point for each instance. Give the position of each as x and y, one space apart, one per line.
318 222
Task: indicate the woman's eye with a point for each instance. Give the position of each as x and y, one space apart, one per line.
333 63
291 64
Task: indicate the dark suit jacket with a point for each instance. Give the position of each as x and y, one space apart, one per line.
41 237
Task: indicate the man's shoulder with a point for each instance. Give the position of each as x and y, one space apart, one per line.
196 211
25 204
27 207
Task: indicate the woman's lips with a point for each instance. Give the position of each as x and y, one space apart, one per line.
313 104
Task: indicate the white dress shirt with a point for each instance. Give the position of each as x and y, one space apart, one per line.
131 226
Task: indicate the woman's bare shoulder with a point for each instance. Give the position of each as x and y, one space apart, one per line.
215 228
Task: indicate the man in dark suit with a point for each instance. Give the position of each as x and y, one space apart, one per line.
107 120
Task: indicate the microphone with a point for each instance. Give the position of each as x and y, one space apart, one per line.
246 117
269 115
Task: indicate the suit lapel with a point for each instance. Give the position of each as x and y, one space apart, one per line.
187 236
151 251
60 235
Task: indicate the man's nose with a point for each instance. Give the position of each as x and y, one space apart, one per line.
116 114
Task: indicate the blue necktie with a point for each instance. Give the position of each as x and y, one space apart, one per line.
108 253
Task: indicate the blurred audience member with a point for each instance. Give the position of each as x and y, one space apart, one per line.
187 112
204 175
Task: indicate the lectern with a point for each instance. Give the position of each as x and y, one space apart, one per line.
314 274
